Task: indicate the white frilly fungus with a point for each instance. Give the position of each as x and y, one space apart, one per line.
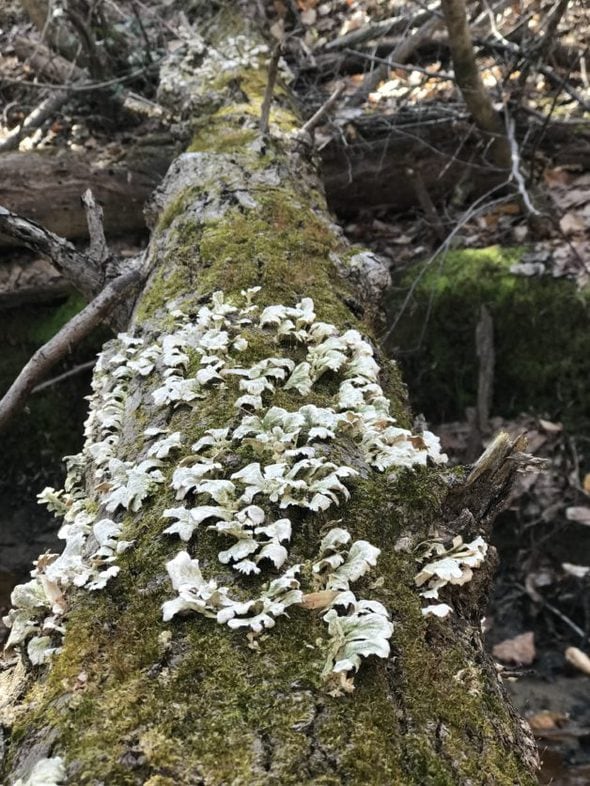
250 508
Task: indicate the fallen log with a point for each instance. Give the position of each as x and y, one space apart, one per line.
47 186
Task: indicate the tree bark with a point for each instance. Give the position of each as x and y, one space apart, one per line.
131 699
470 83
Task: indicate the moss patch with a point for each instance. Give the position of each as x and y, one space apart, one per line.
541 337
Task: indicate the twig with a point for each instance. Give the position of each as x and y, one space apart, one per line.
444 75
313 121
545 604
273 68
86 37
66 375
514 49
377 30
59 346
88 86
516 173
148 46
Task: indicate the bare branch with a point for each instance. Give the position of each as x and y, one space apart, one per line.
310 124
58 347
85 274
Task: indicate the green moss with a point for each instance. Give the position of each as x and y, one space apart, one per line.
41 332
542 349
221 139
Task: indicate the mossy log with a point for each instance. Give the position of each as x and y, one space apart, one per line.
133 700
537 369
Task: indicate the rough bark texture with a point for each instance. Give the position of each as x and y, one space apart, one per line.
123 702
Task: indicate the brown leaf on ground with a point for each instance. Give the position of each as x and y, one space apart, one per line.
520 650
543 720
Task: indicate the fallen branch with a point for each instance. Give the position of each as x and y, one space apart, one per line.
47 108
58 347
84 273
390 26
401 54
310 124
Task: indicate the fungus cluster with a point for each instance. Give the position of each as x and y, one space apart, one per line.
295 462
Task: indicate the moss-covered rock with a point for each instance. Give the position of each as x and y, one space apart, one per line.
541 336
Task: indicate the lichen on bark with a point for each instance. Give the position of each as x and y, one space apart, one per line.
132 700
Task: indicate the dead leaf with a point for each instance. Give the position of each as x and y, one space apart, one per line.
578 659
580 515
571 224
541 721
317 601
519 650
586 483
558 177
309 17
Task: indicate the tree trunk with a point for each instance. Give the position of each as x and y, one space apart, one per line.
132 699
